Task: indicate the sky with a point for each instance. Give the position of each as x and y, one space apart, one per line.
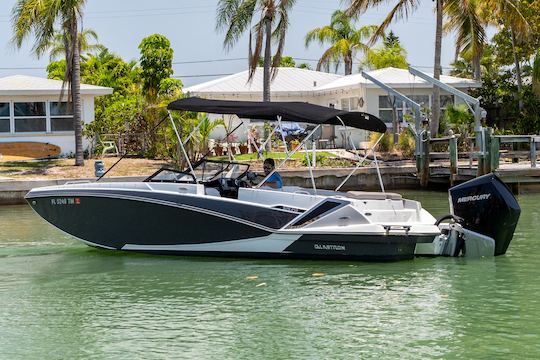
198 47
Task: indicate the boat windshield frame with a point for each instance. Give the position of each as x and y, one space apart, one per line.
225 171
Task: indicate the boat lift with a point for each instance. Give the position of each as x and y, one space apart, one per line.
474 105
421 135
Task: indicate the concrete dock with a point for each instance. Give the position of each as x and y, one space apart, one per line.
398 175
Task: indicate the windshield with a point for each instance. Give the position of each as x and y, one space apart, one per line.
208 170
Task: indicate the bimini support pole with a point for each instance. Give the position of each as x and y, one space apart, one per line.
181 145
310 169
289 155
282 135
360 164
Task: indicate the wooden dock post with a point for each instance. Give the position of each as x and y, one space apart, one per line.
495 152
488 136
533 152
452 144
424 158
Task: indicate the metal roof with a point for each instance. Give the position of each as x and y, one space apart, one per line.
398 78
31 85
287 80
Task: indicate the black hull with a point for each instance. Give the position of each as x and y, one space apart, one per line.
170 227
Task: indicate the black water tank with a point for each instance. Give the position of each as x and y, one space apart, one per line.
488 207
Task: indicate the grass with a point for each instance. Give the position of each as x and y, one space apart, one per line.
65 169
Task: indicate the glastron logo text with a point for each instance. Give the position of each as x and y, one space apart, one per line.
473 198
329 247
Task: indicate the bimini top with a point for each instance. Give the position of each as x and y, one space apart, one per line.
289 111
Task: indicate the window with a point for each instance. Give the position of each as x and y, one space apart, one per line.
350 104
385 109
61 116
30 117
5 114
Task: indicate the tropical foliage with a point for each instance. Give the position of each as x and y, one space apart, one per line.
266 20
390 54
344 40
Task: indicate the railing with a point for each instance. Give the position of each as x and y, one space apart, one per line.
486 162
497 153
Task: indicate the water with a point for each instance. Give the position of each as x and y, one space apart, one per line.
63 300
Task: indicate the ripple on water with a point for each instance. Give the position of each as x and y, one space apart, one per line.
69 301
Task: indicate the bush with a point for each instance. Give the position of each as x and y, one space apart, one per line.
407 143
385 145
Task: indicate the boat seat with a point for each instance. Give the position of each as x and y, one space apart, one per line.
366 195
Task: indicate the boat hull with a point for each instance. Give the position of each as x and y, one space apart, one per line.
179 225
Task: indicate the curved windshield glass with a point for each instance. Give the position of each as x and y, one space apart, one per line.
207 170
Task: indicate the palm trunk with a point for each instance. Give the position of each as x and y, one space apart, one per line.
76 94
267 59
348 63
518 69
476 67
436 105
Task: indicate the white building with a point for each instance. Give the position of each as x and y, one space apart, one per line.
351 92
31 110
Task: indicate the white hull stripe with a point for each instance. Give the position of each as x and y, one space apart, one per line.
273 243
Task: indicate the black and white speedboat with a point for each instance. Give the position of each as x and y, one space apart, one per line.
208 209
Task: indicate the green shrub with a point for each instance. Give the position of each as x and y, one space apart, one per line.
407 143
385 145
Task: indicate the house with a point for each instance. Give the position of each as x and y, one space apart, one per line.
31 110
351 92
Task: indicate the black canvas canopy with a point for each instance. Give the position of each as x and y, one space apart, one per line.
289 111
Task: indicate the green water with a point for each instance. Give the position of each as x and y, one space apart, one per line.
63 300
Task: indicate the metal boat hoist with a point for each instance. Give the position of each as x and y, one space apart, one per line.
422 135
479 113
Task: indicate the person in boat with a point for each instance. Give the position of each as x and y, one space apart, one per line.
273 181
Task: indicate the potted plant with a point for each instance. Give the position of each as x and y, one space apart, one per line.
295 143
218 149
243 147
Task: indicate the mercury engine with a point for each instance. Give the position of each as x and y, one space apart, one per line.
486 206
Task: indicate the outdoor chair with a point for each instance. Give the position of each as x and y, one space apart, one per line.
327 137
109 146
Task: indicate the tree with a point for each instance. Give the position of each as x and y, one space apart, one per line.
345 41
464 18
536 75
286 61
236 16
156 64
156 69
503 9
37 18
56 46
391 54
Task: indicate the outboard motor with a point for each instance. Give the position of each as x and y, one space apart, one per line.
487 206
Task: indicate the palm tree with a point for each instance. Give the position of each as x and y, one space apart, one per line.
271 21
57 48
465 18
501 9
391 54
344 41
402 9
536 75
37 18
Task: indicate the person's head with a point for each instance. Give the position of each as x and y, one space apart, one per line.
268 165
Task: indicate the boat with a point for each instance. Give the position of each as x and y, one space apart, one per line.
210 209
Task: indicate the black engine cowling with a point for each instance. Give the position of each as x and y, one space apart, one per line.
488 207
